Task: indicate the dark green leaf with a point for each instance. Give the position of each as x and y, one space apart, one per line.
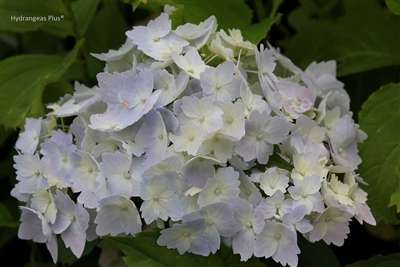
22 80
380 119
6 234
142 251
366 37
84 11
6 219
379 261
103 35
394 6
65 255
258 31
316 255
39 264
230 14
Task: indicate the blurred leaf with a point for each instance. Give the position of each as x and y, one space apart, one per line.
142 251
361 85
380 119
379 261
103 35
54 91
22 81
65 255
48 14
316 255
4 134
6 219
394 6
366 37
258 31
6 234
39 264
135 3
84 11
230 14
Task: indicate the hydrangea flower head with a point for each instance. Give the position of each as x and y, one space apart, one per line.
209 151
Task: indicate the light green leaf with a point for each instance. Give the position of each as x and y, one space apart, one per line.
379 261
23 79
365 37
6 219
380 119
394 6
142 251
395 201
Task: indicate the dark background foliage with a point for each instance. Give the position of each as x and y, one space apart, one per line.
39 61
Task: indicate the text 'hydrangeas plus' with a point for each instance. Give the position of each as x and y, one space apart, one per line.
223 141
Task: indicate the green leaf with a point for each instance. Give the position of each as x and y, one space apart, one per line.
6 235
230 14
135 3
395 201
65 255
6 219
316 255
49 16
380 119
39 264
352 39
103 35
394 6
84 11
142 251
379 261
23 79
258 31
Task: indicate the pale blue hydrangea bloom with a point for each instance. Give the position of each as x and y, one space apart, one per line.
28 140
35 227
117 215
262 132
71 105
121 175
279 242
197 35
161 198
188 237
190 62
220 82
129 96
223 187
71 222
156 39
246 151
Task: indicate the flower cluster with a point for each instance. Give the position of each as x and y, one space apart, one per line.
203 135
